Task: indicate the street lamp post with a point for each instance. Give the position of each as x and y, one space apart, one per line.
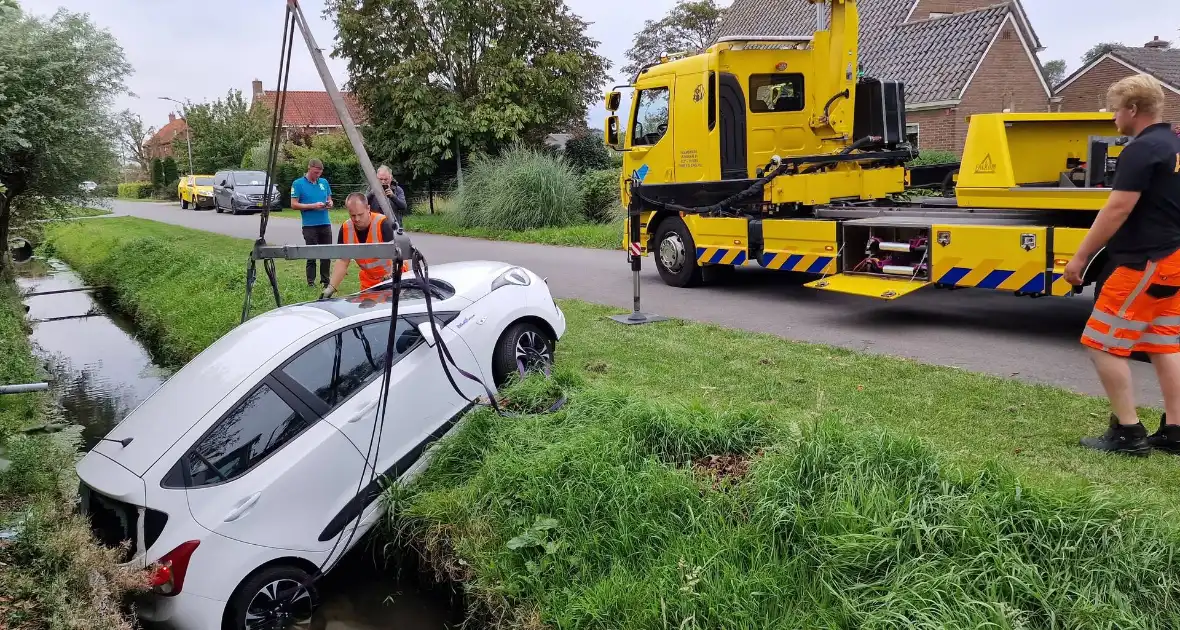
188 132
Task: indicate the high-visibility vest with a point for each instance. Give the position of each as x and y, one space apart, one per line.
373 270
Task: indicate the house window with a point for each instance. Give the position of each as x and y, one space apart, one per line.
911 134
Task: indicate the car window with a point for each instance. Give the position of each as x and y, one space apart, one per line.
776 93
336 367
651 116
258 426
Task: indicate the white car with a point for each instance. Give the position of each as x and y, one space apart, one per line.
236 478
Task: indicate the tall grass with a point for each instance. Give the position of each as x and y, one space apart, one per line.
52 574
522 189
596 517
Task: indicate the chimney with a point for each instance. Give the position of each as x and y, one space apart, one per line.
1156 43
256 85
171 117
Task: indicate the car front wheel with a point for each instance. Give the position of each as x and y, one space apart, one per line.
273 598
524 344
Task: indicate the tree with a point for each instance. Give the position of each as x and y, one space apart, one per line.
132 135
157 174
587 152
223 131
689 26
1054 71
171 173
56 127
440 76
1098 50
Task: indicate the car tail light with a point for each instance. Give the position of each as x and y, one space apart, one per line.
168 572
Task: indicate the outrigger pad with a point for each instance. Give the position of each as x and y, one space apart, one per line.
638 317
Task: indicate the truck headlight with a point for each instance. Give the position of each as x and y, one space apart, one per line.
513 276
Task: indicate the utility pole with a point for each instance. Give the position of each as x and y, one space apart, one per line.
188 132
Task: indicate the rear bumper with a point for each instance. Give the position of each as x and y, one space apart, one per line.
183 612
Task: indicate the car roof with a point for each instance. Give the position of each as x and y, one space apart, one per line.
412 300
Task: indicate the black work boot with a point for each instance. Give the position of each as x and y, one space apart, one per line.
1167 438
1129 439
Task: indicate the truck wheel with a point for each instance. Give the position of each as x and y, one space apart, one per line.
676 254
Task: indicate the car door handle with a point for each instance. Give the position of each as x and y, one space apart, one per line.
242 507
364 411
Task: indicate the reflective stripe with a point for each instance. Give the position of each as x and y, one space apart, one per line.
1147 273
1116 322
1108 340
1171 320
1159 340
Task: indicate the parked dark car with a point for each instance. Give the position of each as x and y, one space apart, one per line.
242 191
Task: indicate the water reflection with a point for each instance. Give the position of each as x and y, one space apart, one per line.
101 373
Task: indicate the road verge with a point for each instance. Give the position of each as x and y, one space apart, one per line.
705 477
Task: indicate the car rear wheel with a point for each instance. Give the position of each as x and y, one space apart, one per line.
523 344
273 598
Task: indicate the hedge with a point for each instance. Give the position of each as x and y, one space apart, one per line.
135 190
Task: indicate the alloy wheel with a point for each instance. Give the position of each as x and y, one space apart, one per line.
270 608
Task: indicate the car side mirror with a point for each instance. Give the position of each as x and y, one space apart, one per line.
613 98
427 333
612 131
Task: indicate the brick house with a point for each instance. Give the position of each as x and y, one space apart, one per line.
309 112
956 57
1085 89
160 144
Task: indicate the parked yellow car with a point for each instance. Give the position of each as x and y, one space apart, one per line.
195 190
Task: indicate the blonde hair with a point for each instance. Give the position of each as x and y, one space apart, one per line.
1141 91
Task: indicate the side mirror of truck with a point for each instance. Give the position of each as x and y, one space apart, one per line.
613 98
612 132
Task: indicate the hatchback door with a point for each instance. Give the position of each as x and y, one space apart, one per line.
341 377
269 472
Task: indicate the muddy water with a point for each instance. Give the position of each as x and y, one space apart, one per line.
101 372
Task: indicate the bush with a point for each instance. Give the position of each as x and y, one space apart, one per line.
523 189
158 173
587 152
933 157
135 190
600 190
107 190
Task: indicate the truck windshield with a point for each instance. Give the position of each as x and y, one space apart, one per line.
250 178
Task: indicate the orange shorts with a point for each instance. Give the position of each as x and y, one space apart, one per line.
1138 310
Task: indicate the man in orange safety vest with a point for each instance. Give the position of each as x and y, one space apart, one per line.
363 226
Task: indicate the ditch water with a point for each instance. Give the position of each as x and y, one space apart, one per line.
101 372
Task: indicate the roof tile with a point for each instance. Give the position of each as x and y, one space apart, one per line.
934 57
314 109
1163 63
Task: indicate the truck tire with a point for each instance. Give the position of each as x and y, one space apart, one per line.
675 254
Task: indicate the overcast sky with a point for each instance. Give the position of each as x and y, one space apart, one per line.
197 50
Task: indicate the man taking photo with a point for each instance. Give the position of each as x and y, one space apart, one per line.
391 191
1138 308
311 195
363 226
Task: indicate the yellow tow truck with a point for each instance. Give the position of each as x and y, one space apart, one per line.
776 152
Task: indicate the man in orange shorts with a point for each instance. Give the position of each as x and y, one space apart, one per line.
1138 308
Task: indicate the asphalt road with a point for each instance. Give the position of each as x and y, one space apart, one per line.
979 330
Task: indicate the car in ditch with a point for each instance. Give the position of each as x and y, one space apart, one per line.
250 468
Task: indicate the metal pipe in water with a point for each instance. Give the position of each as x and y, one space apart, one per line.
23 388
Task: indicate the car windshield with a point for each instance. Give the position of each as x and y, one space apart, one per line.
250 178
204 181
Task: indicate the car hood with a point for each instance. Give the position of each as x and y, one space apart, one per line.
472 279
204 190
180 403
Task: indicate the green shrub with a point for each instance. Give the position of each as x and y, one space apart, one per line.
587 152
158 173
135 190
933 157
523 189
107 190
600 190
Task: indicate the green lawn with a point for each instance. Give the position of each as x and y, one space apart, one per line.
864 491
595 236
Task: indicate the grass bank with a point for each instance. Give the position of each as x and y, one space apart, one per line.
841 516
52 575
444 222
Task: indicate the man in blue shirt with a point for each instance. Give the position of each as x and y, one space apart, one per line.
311 195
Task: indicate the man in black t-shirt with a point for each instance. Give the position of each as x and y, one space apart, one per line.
1138 306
